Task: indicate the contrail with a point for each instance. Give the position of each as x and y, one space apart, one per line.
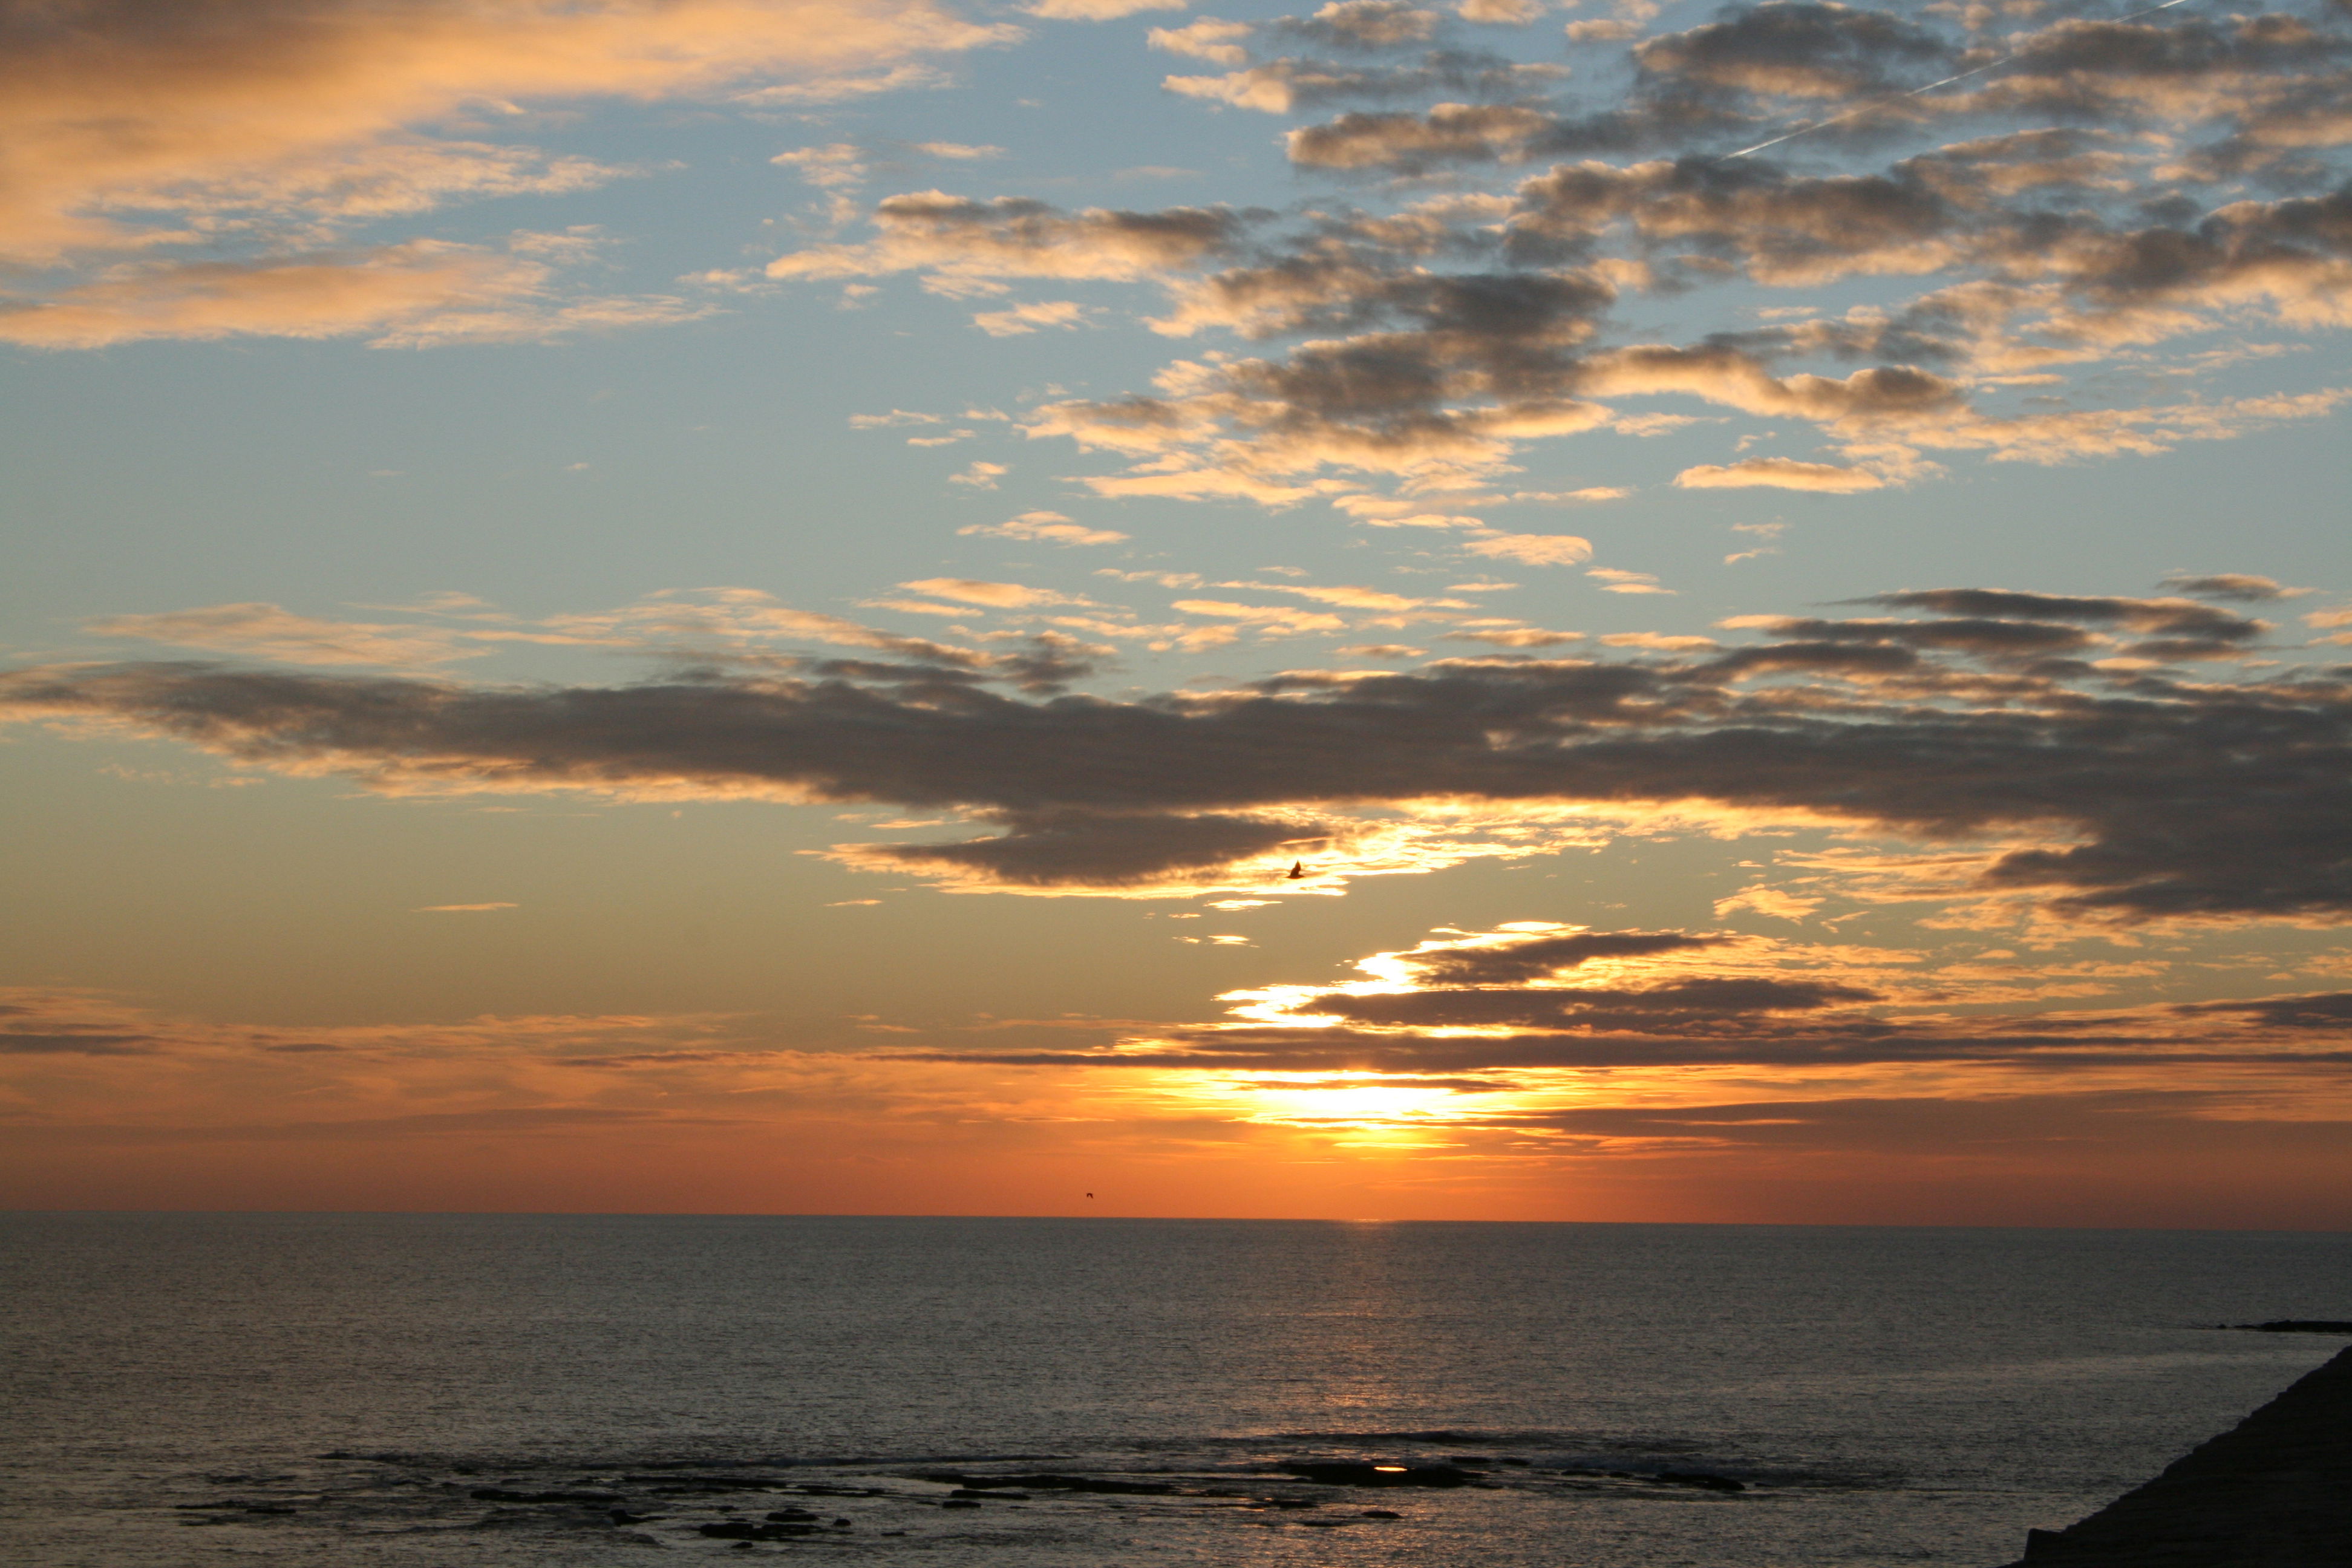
1809 128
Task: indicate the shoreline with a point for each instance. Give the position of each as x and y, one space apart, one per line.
2275 1492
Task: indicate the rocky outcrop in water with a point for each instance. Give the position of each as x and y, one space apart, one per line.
1048 1484
2274 1492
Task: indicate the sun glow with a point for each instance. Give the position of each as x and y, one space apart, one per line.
1365 1105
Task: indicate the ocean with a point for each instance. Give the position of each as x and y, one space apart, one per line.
415 1391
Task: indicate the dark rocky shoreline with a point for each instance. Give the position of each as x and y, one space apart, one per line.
2276 1491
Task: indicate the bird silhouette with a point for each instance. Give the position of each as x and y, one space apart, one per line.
1297 871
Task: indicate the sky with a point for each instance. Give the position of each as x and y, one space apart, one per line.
1491 610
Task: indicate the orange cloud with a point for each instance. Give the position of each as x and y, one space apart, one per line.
271 127
1779 473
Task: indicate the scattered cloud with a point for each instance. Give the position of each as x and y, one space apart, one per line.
1019 319
1045 528
268 631
1616 580
1778 473
1098 10
1531 549
2236 587
2091 194
992 595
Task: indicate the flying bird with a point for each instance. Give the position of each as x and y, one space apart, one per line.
1297 871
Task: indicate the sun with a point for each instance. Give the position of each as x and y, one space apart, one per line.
1363 1100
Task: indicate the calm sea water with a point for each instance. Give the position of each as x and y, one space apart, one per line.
1884 1397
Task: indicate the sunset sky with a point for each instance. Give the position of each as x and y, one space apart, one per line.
747 605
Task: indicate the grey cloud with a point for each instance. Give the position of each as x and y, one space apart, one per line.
2237 586
1691 87
1281 86
1452 318
1448 366
1400 1051
2200 624
2202 798
1535 957
1677 1007
1796 49
2327 1010
521 1119
1359 29
1022 237
1410 143
1980 635
1670 999
1065 848
2176 1122
2293 250
1049 662
18 1045
2089 66
1362 24
1447 334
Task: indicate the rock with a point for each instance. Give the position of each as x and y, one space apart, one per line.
1350 1473
1049 1483
2297 1326
622 1516
960 1502
668 1483
1382 1513
792 1516
744 1529
1699 1478
2276 1491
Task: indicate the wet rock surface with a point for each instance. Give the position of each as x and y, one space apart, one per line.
1053 1483
577 1511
